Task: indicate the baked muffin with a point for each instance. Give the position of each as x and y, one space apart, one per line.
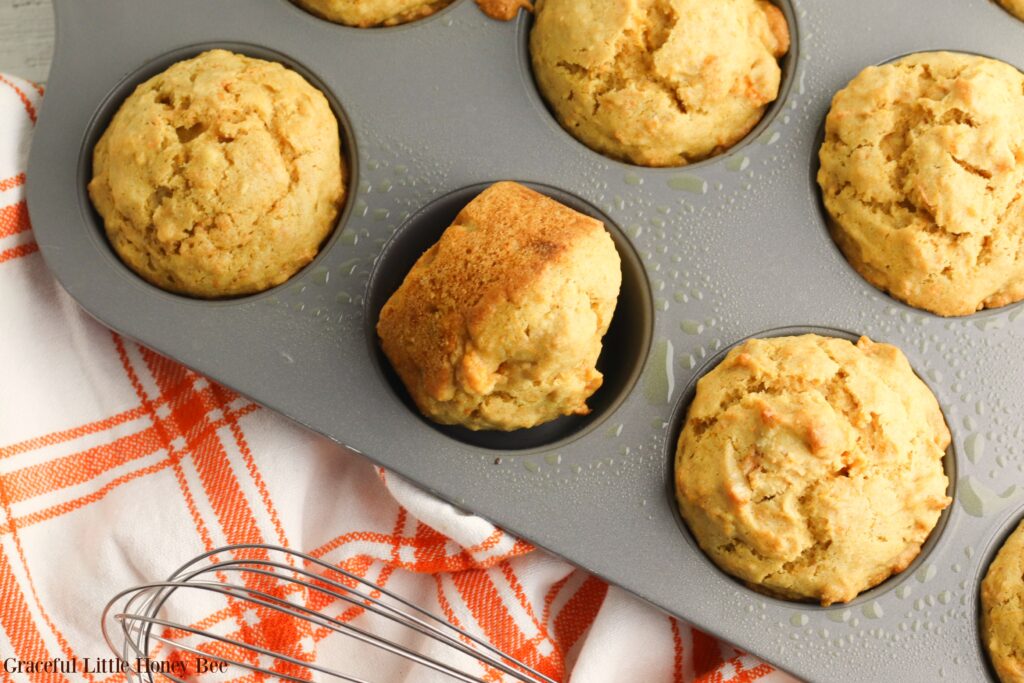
1014 7
810 467
1002 609
499 324
658 84
220 176
922 173
367 13
504 10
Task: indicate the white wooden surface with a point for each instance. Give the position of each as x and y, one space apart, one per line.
26 38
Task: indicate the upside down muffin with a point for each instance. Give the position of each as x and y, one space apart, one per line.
499 324
810 467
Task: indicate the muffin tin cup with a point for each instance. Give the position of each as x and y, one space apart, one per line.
999 537
866 597
788 65
625 345
110 105
728 248
828 223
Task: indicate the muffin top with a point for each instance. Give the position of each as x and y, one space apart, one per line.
499 324
658 82
922 172
220 176
1002 607
810 467
504 10
367 13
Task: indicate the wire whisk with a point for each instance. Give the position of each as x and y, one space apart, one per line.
248 607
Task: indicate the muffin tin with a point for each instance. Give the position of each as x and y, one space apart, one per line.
713 253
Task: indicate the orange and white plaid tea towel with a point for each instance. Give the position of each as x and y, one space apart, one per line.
117 465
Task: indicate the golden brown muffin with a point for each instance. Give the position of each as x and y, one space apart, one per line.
220 176
1002 609
922 172
658 82
504 10
499 324
811 468
1014 7
367 13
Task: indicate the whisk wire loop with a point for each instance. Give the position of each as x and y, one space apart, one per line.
250 578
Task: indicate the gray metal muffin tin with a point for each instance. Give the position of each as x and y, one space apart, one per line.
732 247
